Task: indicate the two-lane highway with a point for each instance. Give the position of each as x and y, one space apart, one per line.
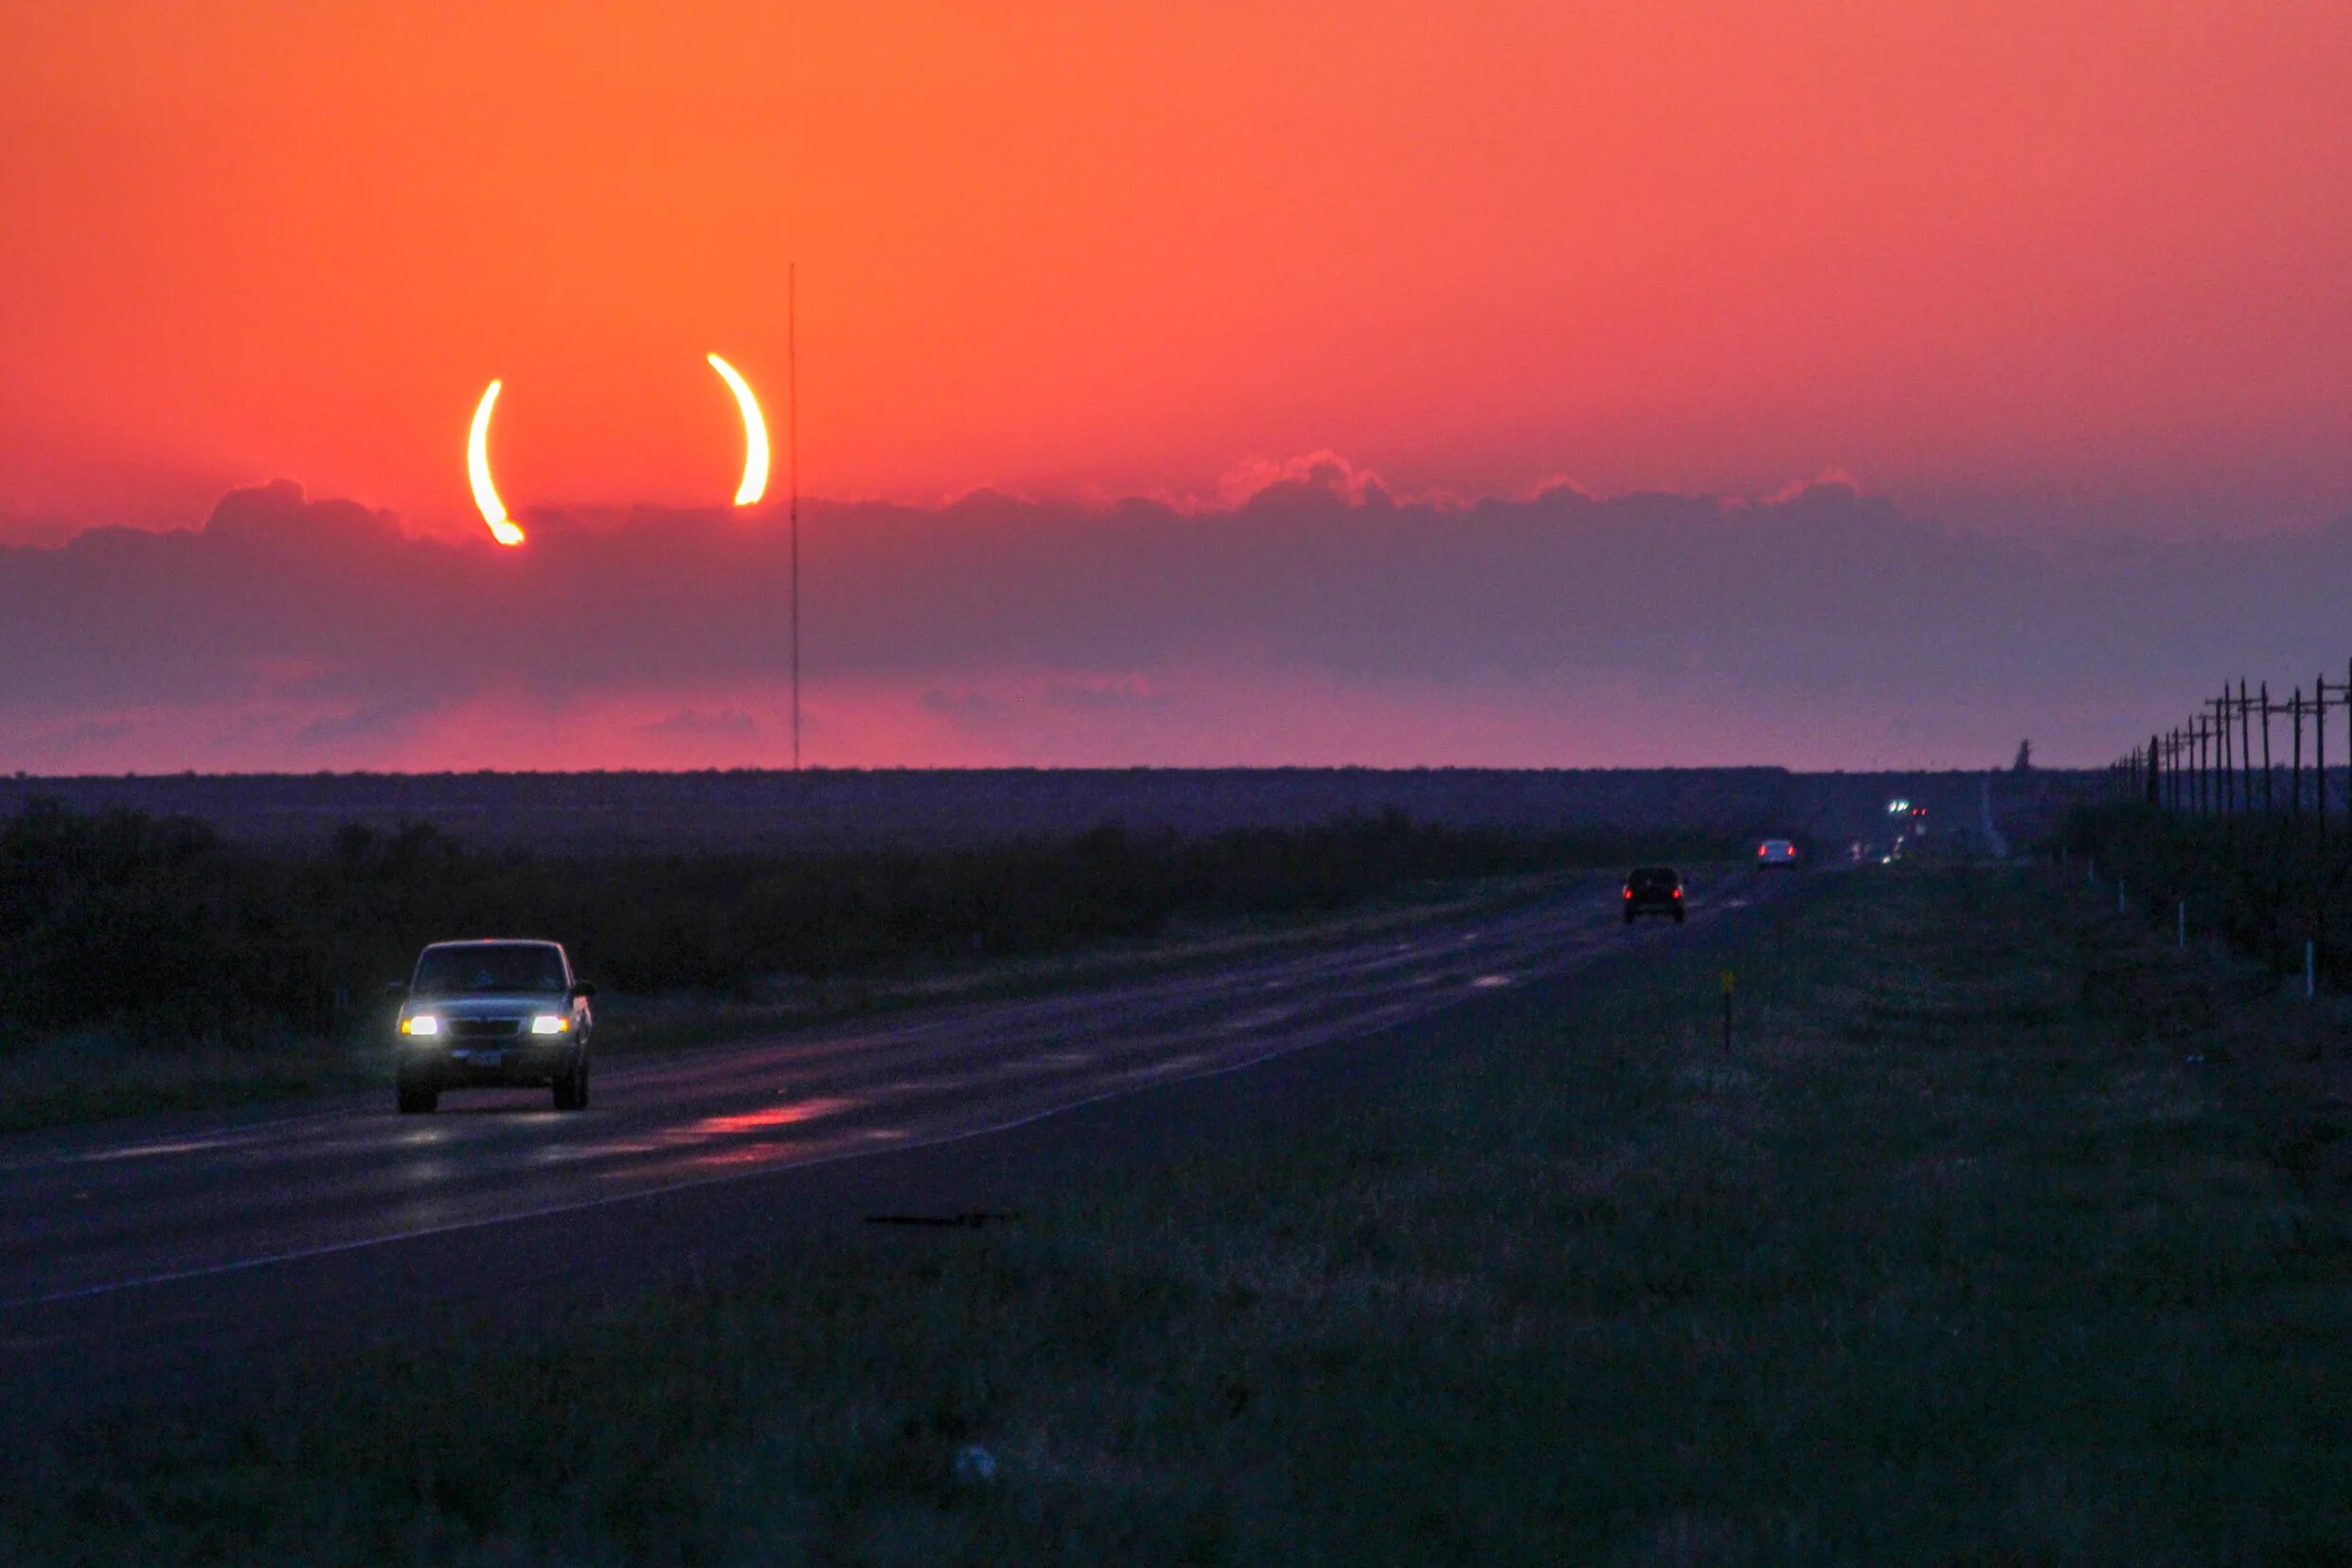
111 1229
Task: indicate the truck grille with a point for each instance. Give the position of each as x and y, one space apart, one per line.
483 1029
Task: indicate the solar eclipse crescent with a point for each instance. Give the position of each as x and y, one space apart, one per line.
755 483
477 470
503 528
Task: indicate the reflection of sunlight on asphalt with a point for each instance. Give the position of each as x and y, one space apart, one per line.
707 1142
749 1154
754 1121
147 1152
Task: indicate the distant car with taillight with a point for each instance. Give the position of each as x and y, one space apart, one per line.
494 1013
1653 890
1776 855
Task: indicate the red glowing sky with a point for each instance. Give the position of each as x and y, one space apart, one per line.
2034 267
2049 271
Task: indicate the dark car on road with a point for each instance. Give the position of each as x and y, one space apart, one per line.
1653 890
494 1013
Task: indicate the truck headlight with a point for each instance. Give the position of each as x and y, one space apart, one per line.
550 1023
423 1024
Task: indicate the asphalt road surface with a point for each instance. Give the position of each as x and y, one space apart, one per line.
144 1260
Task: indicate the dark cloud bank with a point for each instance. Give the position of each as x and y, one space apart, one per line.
1820 603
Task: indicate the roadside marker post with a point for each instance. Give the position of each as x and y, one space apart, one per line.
2182 943
2310 971
1728 982
2121 908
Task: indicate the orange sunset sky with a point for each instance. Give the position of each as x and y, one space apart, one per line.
2051 272
1973 254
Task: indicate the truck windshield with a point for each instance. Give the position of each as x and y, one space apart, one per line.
490 967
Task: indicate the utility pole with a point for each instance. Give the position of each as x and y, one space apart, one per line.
2197 770
2213 761
2208 791
2269 795
2294 779
2238 776
2245 748
2319 758
792 471
2343 700
2226 791
2213 766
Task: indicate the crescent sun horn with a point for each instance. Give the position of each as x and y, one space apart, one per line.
755 483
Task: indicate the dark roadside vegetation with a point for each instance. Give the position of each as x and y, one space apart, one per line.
828 810
2262 884
127 941
2004 1234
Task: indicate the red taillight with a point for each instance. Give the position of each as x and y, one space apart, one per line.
1628 892
1678 892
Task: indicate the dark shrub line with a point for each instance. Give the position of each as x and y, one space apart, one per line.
160 929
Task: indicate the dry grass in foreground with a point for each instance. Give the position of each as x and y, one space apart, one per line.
1994 1240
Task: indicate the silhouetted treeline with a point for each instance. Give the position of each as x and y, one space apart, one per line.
158 928
2263 883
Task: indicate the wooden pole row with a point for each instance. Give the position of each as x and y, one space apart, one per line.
2206 767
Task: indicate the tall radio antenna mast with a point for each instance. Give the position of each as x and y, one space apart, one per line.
791 467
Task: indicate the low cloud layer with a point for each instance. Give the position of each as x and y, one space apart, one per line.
1316 619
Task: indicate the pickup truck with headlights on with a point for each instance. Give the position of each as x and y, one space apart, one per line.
492 1012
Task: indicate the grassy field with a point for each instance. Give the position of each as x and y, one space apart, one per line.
2265 883
2003 1235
